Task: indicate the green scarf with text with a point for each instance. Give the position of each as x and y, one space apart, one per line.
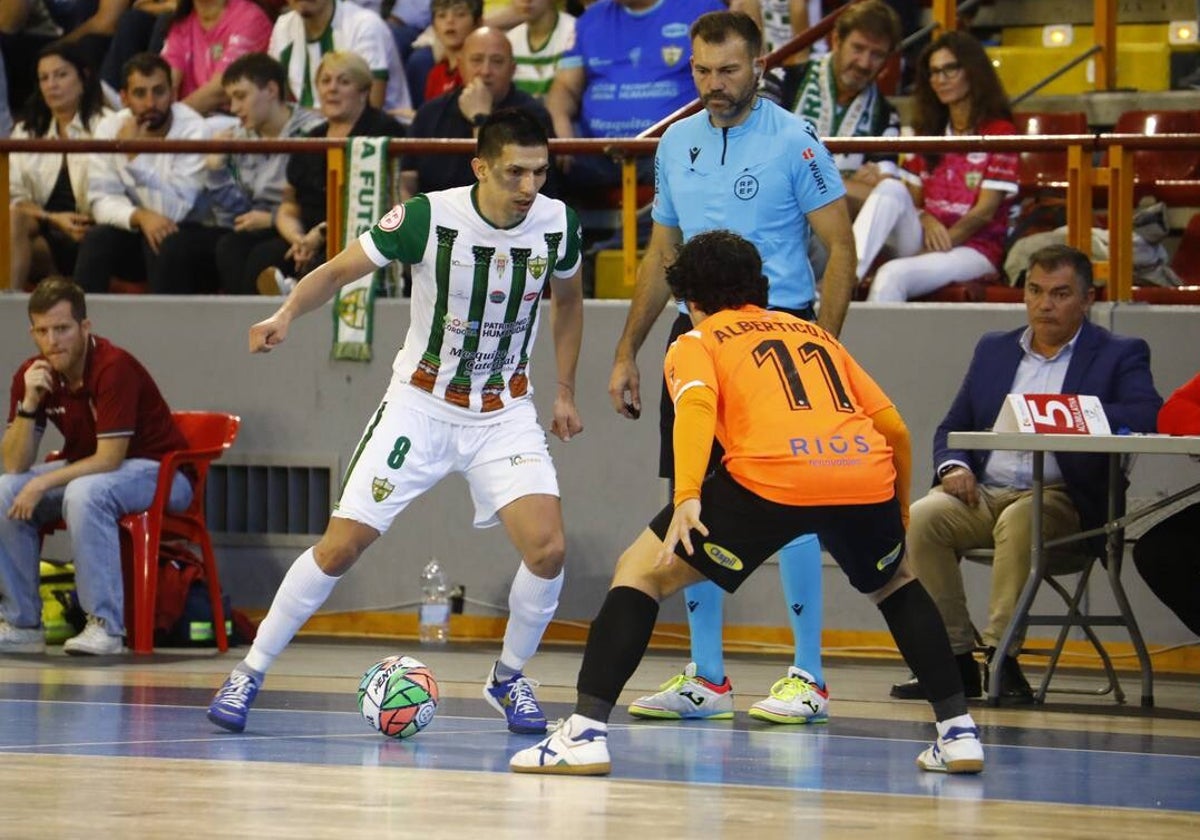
366 192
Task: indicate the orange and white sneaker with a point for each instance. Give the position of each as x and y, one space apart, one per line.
794 699
686 696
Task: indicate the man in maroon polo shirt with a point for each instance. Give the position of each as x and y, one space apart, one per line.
116 428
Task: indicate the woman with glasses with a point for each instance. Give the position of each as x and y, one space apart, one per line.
946 218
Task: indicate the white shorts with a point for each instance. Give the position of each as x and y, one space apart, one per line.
406 450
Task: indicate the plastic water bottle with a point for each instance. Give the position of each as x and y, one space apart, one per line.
434 616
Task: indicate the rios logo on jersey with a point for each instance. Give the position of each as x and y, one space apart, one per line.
723 557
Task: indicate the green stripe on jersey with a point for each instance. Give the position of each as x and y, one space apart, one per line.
574 242
431 360
495 383
458 391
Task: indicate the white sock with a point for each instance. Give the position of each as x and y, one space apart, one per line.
531 604
304 589
962 721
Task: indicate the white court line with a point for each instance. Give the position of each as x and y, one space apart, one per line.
618 726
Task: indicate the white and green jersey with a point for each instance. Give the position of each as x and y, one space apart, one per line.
475 292
536 66
777 23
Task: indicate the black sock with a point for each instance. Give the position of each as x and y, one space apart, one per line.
615 645
920 635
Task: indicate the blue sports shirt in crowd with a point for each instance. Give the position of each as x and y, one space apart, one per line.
758 179
637 64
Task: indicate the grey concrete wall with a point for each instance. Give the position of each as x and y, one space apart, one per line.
297 404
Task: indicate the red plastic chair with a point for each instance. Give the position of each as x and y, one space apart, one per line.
208 435
1186 261
1047 169
1171 176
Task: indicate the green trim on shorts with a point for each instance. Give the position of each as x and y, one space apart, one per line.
362 444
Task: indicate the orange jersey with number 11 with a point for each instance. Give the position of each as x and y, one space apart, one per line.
793 408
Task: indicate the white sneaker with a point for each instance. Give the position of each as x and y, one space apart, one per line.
21 639
566 752
94 640
956 750
686 696
794 699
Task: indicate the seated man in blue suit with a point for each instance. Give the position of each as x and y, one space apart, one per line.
981 499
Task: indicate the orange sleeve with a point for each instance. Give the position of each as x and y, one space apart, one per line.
695 424
891 425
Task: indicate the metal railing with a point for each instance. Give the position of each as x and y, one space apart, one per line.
1083 176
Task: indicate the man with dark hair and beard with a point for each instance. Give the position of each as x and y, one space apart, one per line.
140 200
745 164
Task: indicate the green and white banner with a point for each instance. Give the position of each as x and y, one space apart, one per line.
364 201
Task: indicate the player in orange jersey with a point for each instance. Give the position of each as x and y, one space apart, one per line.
812 445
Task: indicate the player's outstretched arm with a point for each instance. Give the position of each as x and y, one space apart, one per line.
566 317
650 295
316 288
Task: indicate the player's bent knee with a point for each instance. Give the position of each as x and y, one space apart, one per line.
639 568
342 544
335 558
546 558
903 576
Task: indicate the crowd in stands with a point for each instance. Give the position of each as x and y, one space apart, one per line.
436 69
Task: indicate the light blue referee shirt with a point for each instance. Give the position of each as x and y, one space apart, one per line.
757 179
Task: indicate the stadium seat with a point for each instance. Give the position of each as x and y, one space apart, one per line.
1186 262
1167 295
1170 176
208 435
968 291
1003 293
1047 169
120 286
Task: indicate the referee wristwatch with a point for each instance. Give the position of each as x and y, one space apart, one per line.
28 415
478 120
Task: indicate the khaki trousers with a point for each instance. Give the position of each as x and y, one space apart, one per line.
941 527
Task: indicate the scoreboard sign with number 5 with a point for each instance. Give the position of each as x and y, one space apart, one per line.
1059 414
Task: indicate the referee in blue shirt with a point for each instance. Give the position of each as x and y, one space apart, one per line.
742 164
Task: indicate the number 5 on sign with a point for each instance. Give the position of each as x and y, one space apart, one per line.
1060 414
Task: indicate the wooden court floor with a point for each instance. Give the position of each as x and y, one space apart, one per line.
120 747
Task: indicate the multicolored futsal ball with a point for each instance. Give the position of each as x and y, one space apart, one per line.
398 696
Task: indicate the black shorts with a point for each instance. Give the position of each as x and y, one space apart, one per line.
744 529
666 408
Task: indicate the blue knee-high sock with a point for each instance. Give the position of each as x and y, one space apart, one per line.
800 574
705 605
